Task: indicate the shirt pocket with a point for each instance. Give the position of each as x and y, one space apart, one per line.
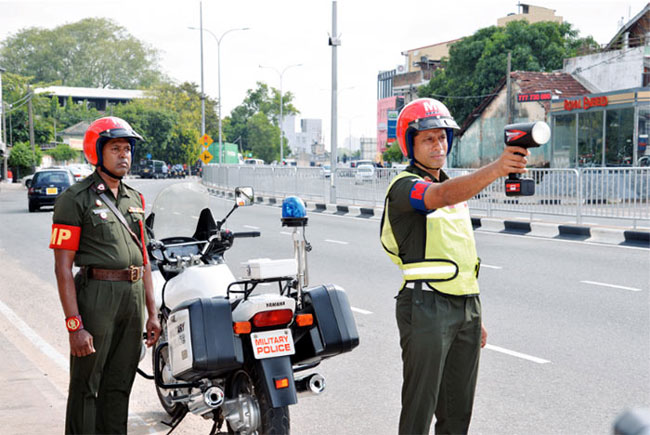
106 228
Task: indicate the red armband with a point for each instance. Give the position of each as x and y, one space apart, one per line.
65 237
74 323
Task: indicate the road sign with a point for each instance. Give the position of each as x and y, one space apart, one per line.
205 140
206 157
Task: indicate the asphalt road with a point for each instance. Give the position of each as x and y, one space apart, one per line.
568 323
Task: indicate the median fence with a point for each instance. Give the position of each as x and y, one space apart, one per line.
617 193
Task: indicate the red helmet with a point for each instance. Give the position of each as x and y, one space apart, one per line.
423 114
101 131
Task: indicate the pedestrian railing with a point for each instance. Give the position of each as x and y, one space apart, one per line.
620 193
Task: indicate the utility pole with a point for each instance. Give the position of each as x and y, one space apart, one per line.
508 91
3 127
334 42
202 89
31 127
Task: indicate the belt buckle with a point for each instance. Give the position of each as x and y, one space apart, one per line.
134 273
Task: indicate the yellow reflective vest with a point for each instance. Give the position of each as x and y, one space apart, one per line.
450 264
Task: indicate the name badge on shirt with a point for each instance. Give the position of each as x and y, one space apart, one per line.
136 210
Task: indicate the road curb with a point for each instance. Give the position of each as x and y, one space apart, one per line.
606 235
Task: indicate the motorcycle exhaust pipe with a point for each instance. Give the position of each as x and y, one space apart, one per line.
205 402
310 385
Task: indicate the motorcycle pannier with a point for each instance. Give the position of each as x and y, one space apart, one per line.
201 339
334 331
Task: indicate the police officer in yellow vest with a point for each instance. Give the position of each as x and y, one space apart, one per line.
427 231
104 303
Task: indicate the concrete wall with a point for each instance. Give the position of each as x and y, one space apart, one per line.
535 14
609 70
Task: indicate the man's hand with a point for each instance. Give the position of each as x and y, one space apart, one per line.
153 330
81 343
483 336
511 162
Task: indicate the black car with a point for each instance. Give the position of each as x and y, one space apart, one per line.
46 186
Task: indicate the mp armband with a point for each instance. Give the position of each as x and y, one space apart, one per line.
65 237
74 323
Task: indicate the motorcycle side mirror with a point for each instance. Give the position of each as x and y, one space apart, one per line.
244 196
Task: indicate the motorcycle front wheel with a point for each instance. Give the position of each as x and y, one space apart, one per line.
274 421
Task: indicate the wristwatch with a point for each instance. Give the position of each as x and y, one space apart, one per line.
74 323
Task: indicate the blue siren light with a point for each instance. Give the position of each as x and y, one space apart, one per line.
294 212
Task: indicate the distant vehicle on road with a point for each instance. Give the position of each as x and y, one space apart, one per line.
80 171
364 174
154 169
254 161
357 163
177 171
46 186
327 171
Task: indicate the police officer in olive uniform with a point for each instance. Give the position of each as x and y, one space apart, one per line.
427 231
104 303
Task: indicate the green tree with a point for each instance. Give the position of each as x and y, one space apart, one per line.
260 134
477 63
22 159
393 153
63 153
261 100
93 52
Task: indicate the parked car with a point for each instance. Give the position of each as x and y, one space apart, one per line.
154 169
46 186
364 174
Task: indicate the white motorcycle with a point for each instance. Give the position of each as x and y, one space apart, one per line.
227 352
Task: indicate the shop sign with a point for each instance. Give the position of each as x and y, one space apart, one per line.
585 103
534 96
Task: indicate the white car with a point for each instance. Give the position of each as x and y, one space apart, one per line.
80 171
364 174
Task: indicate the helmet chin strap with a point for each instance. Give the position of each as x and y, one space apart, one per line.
423 165
109 173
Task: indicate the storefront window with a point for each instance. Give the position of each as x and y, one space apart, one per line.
619 134
643 150
564 141
590 138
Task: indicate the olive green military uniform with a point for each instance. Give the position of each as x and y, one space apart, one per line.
440 333
112 311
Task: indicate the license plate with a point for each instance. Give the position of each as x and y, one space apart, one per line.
272 344
51 191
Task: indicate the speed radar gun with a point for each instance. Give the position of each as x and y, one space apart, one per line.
525 135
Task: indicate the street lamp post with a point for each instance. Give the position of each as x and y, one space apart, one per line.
281 104
218 39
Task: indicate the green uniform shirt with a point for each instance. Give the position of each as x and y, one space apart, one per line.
409 225
104 242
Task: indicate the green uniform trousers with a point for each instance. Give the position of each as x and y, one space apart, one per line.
100 383
440 336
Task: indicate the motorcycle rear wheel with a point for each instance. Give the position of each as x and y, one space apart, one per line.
164 395
274 421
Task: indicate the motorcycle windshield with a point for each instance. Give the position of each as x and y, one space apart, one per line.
177 209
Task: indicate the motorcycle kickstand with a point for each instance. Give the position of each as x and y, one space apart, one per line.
176 420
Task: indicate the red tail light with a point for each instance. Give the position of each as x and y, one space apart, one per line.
272 318
31 190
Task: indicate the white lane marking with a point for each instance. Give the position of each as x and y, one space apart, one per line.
517 354
360 311
338 242
32 336
251 227
491 267
287 233
612 285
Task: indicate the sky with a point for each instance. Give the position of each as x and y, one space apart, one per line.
282 33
